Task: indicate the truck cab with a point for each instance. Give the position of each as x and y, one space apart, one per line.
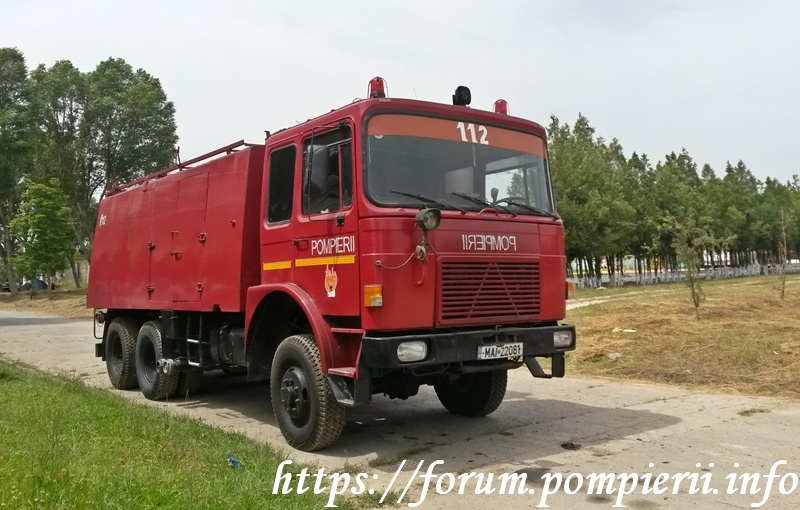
427 237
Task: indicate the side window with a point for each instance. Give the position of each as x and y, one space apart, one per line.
281 184
328 180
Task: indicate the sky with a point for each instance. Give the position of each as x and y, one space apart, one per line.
718 78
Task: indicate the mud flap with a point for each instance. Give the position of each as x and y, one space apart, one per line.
350 392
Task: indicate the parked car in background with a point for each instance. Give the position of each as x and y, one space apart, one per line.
6 286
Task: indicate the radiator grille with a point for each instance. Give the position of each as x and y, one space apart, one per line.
476 291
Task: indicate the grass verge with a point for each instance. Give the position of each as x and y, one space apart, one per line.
64 445
746 340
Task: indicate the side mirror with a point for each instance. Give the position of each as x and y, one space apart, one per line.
495 192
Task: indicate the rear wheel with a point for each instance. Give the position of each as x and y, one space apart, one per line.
305 408
476 394
155 385
120 347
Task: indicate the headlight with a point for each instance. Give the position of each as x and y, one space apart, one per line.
412 351
429 219
562 339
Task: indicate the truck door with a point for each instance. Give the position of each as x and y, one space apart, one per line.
319 242
178 215
327 247
163 200
188 238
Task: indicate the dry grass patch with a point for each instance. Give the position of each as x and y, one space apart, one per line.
746 341
69 304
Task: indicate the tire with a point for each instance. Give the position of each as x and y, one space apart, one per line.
154 384
473 395
189 383
309 416
120 346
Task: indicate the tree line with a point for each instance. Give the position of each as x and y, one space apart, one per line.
615 206
65 136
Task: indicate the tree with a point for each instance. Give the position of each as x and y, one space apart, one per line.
588 182
14 148
782 256
740 195
43 228
97 130
58 102
689 242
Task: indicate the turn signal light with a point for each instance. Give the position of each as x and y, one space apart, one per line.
373 295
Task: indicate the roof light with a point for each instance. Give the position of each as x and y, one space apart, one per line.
377 87
501 106
462 97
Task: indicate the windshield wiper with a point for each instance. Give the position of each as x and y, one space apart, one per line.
484 203
441 203
533 208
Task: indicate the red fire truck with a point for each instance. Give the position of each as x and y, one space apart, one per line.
387 244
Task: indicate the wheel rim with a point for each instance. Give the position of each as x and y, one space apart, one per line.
116 354
294 396
149 362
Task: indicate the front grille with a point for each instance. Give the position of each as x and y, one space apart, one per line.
474 292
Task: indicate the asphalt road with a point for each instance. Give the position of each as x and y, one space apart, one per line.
572 426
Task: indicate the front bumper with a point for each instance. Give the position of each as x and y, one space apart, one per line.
379 353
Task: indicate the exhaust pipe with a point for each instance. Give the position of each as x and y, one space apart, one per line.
167 366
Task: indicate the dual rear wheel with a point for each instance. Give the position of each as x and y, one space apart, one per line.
132 352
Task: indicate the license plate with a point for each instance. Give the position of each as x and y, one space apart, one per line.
499 351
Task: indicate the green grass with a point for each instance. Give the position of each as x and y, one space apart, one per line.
64 445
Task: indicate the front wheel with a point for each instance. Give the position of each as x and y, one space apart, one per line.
472 395
155 384
305 408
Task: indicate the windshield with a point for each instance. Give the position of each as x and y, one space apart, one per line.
461 164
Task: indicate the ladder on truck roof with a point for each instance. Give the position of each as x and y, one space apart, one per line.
176 168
